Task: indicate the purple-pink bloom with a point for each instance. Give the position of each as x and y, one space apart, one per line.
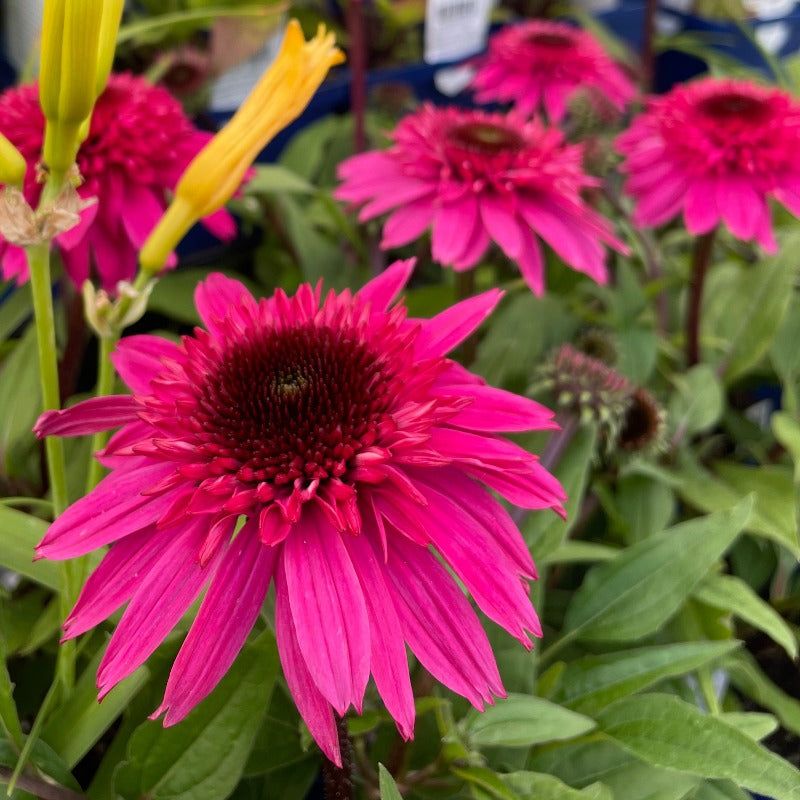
543 63
474 178
139 144
715 150
325 443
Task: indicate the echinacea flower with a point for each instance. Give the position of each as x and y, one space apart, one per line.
715 150
138 145
543 63
325 443
475 177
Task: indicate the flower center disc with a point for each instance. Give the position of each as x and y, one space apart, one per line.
555 41
731 105
487 138
294 404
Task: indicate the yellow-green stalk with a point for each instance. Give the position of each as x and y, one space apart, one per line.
12 164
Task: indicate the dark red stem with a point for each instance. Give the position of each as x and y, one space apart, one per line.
701 258
648 52
357 54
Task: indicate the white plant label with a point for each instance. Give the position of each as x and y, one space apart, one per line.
455 29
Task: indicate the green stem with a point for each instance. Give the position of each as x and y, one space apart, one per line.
41 288
105 386
8 709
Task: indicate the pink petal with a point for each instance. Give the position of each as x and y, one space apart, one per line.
227 615
500 220
89 416
469 548
15 263
439 624
328 610
161 599
137 359
452 228
531 264
382 290
406 223
215 296
143 209
440 334
70 239
116 578
221 224
498 410
700 207
113 510
315 710
388 660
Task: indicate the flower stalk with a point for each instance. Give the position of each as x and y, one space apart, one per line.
701 258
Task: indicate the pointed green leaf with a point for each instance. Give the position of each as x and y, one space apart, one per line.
729 593
487 781
522 720
638 781
388 787
204 756
753 724
19 535
667 732
719 790
787 431
593 682
653 577
698 400
546 787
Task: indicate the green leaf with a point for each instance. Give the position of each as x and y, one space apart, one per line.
593 682
486 780
787 431
667 732
15 308
20 393
753 724
719 790
19 535
580 762
785 353
276 179
746 676
78 724
698 400
546 787
571 551
522 720
746 311
545 533
388 787
646 506
729 593
44 758
638 781
637 592
637 351
204 756
773 515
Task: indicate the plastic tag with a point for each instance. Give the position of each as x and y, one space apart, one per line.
455 29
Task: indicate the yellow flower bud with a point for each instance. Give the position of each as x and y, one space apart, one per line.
217 171
68 75
109 27
12 164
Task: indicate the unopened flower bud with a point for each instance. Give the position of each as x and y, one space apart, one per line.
109 316
12 164
68 75
217 171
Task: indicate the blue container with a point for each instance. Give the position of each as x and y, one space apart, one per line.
727 39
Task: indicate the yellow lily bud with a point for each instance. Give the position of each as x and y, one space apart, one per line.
12 164
218 169
109 27
68 75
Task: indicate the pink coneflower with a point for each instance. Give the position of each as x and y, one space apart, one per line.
138 145
543 63
715 149
353 454
475 177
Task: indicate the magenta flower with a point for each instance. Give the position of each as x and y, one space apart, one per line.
352 448
138 145
715 150
543 63
475 177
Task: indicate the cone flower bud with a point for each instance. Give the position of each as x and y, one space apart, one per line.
217 171
12 164
68 74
